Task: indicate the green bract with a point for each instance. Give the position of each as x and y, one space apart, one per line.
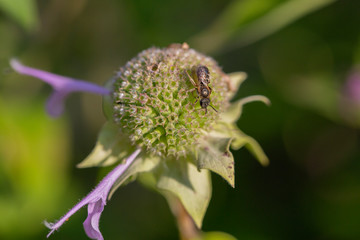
154 107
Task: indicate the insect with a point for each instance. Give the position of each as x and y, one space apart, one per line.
201 80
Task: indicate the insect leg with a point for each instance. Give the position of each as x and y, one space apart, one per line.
191 79
191 90
197 99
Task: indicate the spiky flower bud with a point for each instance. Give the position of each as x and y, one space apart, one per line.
156 104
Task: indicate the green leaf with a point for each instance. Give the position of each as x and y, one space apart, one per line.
232 19
23 11
244 22
111 147
236 79
215 236
214 154
141 165
192 187
276 19
252 145
233 113
239 140
108 101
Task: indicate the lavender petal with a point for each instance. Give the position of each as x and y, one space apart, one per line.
91 224
56 81
55 103
96 201
62 86
352 87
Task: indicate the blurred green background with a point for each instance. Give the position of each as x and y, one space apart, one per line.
299 53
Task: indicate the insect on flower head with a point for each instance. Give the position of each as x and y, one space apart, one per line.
154 102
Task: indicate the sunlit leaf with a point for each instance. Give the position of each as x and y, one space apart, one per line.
215 236
192 187
23 11
239 140
246 21
233 113
251 144
214 154
278 18
111 147
235 81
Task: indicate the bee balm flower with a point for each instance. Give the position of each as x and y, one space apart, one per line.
154 106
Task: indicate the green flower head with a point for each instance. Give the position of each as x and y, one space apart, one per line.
156 104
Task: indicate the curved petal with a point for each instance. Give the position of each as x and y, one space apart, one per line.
55 226
91 224
55 103
56 81
95 200
62 86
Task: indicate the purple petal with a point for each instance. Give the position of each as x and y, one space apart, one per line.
353 86
91 224
62 86
96 200
55 103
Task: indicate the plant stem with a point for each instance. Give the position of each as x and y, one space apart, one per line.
187 228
